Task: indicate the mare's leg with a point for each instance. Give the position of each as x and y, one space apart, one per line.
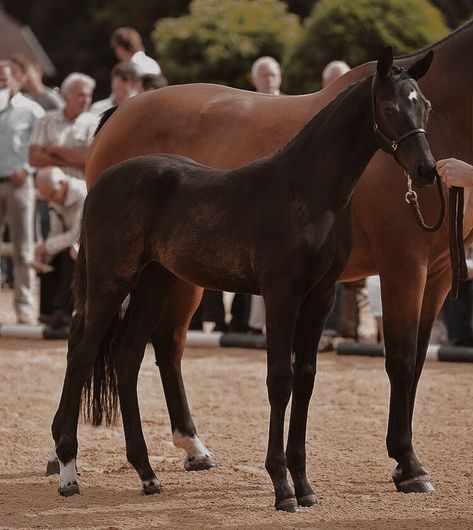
169 340
87 332
281 314
402 293
312 317
146 303
436 289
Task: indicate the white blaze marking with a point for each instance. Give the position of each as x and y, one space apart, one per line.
67 473
412 95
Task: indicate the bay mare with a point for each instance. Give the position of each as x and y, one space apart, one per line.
226 128
280 227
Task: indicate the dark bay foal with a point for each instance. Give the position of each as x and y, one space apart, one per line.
279 227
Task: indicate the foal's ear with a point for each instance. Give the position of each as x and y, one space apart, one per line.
385 62
419 69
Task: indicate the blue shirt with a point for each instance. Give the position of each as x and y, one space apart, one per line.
17 122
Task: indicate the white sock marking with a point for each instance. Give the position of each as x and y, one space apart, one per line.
192 446
67 473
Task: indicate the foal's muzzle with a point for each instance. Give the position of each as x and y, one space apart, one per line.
426 175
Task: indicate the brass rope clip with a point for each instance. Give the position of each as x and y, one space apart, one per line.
411 195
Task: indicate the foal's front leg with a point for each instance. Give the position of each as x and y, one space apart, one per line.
281 315
310 323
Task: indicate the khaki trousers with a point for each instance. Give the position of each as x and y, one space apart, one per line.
17 205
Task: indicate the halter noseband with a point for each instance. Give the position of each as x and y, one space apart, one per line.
386 139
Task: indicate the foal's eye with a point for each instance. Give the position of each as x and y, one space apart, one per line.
390 110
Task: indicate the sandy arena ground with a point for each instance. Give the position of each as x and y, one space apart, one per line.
347 460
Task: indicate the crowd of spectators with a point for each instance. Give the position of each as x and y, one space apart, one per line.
45 136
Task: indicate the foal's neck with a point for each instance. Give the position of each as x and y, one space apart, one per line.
326 159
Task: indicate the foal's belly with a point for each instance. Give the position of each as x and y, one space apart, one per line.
222 268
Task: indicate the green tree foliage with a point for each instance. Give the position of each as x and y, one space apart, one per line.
218 41
356 32
455 12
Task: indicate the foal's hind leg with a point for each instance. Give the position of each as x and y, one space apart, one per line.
169 340
89 330
146 303
309 328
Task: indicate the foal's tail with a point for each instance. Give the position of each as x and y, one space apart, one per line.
100 394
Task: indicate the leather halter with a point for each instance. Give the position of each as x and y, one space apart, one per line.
388 144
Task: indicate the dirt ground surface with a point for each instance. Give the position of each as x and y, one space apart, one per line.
347 459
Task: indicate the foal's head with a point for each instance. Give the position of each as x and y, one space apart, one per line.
400 115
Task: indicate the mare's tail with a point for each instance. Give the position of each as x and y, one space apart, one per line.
103 118
100 394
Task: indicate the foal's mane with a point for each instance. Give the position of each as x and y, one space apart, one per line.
320 117
461 29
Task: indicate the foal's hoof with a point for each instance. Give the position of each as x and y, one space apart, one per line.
52 468
422 484
150 487
200 463
307 500
71 488
288 505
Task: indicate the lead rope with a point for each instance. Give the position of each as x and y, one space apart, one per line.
411 199
456 200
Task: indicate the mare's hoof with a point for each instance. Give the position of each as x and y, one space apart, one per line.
307 500
52 468
72 488
288 505
422 484
150 487
200 463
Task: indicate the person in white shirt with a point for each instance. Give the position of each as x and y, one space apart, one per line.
62 137
123 86
18 117
65 196
128 47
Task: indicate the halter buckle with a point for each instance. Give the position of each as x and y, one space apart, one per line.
394 145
